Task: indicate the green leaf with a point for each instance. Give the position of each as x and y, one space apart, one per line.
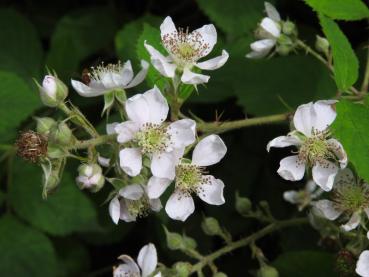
351 128
346 65
20 47
18 101
25 251
305 264
65 212
77 36
236 17
340 9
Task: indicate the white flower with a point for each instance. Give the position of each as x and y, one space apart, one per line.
105 79
268 32
189 178
350 200
315 147
147 261
52 91
132 202
151 136
305 197
90 177
185 49
362 265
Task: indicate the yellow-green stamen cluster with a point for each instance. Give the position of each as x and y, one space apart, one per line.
153 138
189 178
138 208
352 197
97 73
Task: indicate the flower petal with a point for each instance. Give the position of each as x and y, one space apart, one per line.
291 196
132 267
272 12
182 133
163 164
327 209
189 77
283 141
124 270
257 55
179 206
158 107
105 162
124 213
212 192
210 150
344 177
324 173
126 131
156 186
167 28
126 73
114 209
304 118
147 259
271 27
325 114
137 109
132 192
263 45
209 37
155 204
362 265
87 91
141 75
131 161
110 128
214 63
338 150
352 223
291 168
161 63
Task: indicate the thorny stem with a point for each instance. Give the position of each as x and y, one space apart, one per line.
221 127
247 241
94 142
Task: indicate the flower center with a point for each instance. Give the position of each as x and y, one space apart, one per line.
351 197
153 138
100 72
184 46
189 177
316 148
138 208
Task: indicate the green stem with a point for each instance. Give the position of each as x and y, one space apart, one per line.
221 127
247 240
365 85
94 142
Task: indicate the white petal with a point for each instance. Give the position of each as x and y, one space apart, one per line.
114 209
283 141
344 177
263 45
338 150
126 131
156 186
304 118
157 105
167 28
212 192
163 164
105 162
352 223
189 77
155 204
323 174
137 109
87 91
161 63
257 55
141 75
291 168
110 128
111 80
209 36
132 192
131 161
327 209
325 114
271 27
362 266
124 213
179 206
291 196
126 73
182 133
124 270
210 150
214 63
310 186
272 12
131 266
147 259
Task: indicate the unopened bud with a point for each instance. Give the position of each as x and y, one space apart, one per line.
174 240
322 45
53 91
289 28
189 243
211 226
243 204
31 146
90 177
183 269
62 134
345 263
267 271
44 125
285 45
219 274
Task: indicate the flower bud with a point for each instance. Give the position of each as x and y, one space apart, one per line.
31 146
267 271
174 240
211 226
90 177
219 274
189 243
183 269
53 91
289 28
243 204
62 134
345 263
322 45
44 125
285 45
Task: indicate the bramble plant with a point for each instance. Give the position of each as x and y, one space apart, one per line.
152 157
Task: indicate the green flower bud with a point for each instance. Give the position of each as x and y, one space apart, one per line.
289 28
90 177
322 45
55 152
211 226
62 134
243 204
219 274
53 91
44 125
189 242
51 177
267 271
183 269
285 45
174 240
